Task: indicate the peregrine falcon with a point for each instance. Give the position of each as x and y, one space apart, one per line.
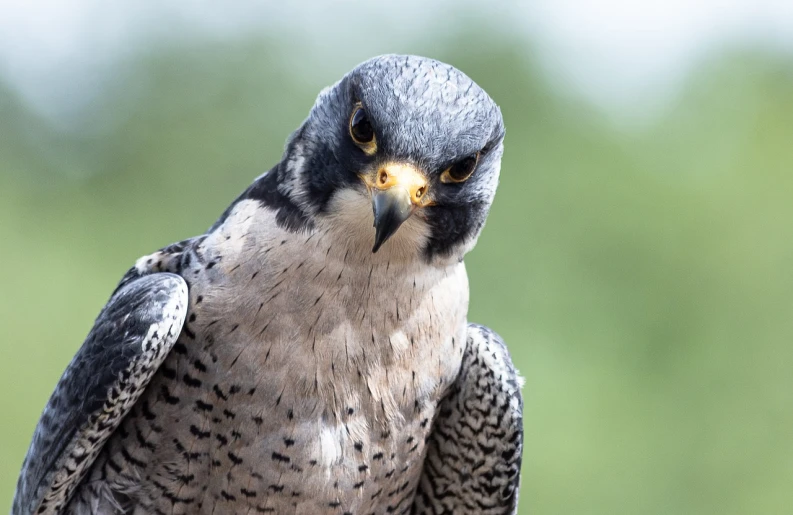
310 353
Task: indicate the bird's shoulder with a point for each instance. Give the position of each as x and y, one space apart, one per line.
487 353
174 258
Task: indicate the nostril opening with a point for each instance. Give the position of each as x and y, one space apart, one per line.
382 177
420 192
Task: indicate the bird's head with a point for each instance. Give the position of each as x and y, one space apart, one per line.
406 144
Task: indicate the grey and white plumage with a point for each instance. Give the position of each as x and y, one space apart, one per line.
276 364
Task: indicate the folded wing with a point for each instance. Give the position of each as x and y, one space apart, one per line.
129 341
475 448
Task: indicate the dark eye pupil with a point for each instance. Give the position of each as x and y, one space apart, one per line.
463 168
360 127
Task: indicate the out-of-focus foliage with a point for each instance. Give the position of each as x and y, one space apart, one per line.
643 279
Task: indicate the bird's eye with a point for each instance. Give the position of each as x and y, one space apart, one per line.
461 170
361 130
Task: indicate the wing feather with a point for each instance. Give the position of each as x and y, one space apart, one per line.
475 448
129 341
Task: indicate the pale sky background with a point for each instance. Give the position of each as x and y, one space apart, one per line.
618 54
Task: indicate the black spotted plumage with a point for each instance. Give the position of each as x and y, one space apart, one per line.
294 369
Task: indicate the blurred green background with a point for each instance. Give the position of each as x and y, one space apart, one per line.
640 273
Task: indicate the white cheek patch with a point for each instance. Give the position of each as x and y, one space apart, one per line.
291 184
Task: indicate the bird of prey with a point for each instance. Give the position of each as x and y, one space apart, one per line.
310 353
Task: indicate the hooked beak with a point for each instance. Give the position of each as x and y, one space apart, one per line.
397 190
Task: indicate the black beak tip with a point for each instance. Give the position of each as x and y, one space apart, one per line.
390 209
379 238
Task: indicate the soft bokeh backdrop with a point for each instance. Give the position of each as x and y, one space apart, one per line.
637 259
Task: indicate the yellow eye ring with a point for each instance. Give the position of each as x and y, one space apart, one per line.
361 130
461 170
